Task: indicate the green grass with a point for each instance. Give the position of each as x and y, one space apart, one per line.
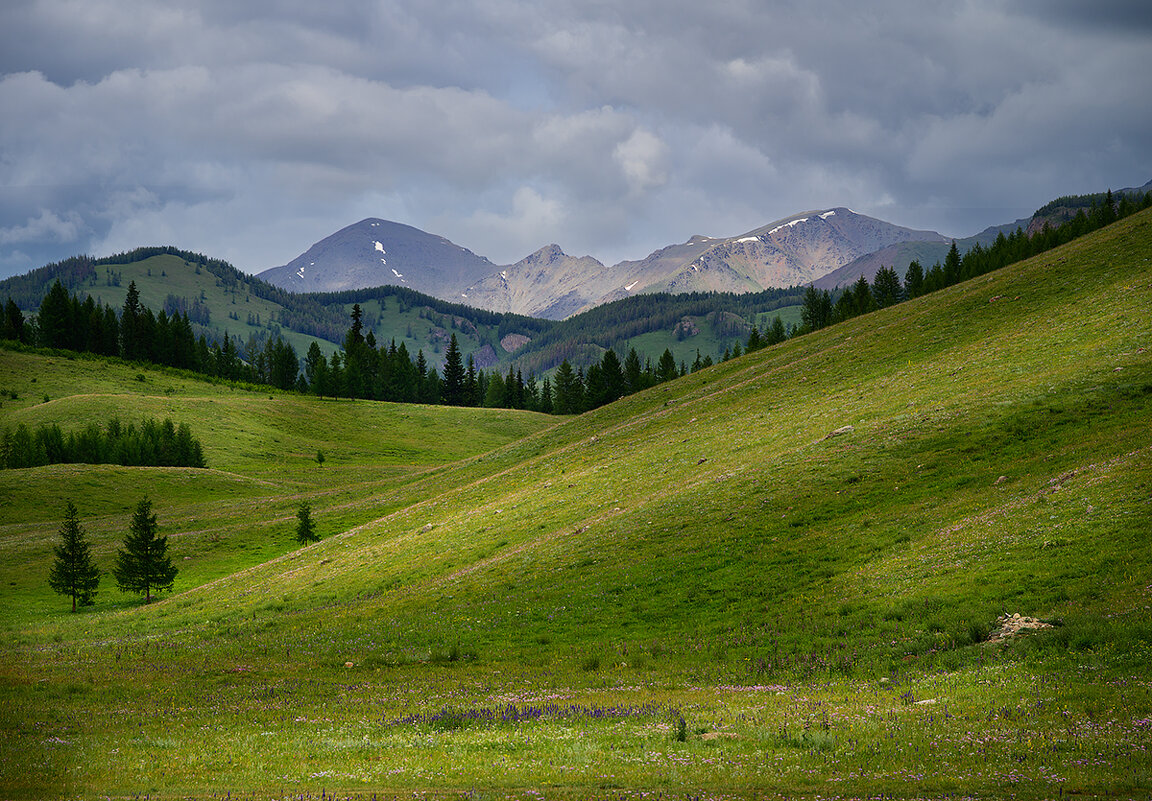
534 607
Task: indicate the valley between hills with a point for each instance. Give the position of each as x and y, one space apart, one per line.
784 575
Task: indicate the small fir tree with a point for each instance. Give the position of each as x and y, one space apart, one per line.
305 528
144 565
73 572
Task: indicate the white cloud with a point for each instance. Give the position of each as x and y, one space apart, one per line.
641 158
46 225
533 221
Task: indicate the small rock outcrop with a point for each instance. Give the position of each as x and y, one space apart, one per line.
1009 626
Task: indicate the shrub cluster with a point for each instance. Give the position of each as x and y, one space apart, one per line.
152 443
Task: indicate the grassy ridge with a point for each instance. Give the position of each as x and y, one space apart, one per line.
700 587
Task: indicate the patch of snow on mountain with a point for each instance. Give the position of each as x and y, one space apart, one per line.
383 261
629 287
749 239
827 214
380 247
398 275
300 272
787 225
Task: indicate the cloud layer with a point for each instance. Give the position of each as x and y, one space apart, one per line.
249 131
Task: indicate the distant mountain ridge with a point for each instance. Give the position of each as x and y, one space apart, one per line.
375 252
549 283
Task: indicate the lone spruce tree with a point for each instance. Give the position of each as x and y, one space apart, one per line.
73 572
143 565
305 528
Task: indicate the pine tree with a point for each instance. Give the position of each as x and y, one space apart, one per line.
615 382
56 319
305 528
143 565
817 310
316 370
131 336
952 265
886 289
666 368
452 383
914 278
13 327
565 397
471 385
862 295
777 333
494 393
633 372
73 572
755 342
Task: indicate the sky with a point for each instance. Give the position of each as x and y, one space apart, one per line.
248 131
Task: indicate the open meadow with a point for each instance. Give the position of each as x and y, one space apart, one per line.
784 575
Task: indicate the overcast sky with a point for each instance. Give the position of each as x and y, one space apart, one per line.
249 130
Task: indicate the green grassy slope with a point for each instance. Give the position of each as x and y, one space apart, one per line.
702 587
260 447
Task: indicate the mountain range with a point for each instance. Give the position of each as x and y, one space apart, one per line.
829 248
552 284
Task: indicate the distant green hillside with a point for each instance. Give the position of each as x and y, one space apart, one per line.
785 575
221 300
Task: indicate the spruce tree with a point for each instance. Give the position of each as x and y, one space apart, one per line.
914 278
952 265
777 333
13 327
305 528
633 372
73 572
452 383
886 289
666 368
143 565
564 394
131 322
615 382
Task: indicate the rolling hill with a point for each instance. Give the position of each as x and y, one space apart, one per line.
781 574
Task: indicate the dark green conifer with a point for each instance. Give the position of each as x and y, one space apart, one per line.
305 528
143 565
73 573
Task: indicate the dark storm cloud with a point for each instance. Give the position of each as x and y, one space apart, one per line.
250 130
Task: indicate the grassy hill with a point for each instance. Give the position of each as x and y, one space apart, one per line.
777 574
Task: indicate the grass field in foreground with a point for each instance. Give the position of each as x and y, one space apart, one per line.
696 591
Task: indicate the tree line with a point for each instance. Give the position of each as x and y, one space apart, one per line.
151 444
820 310
136 334
364 369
